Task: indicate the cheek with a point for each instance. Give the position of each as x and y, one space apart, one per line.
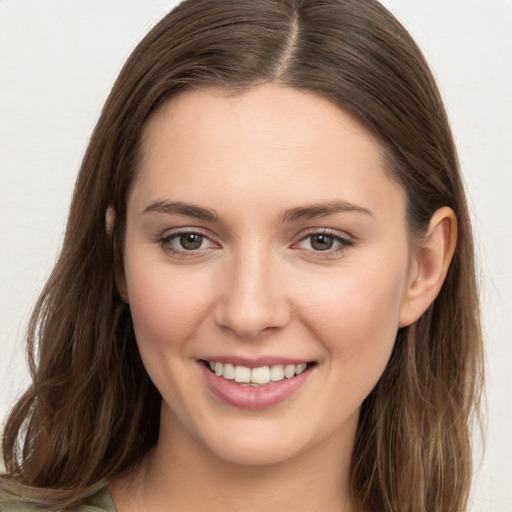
355 316
166 306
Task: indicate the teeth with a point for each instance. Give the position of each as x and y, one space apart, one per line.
242 374
228 371
300 368
276 373
261 375
289 371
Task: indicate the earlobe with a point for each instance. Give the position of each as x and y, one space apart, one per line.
121 285
430 261
110 219
121 288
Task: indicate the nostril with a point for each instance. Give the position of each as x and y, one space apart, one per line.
251 321
251 302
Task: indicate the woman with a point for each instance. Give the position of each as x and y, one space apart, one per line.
266 295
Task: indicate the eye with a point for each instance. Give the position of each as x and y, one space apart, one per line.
321 242
190 241
324 241
186 243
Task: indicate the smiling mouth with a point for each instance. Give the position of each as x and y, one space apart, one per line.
256 376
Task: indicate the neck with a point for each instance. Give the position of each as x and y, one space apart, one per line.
181 474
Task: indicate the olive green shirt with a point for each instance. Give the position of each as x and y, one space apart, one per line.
100 501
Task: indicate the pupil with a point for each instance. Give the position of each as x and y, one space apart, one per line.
191 241
321 242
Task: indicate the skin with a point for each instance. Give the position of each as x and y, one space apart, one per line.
258 286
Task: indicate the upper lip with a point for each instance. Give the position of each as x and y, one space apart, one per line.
255 362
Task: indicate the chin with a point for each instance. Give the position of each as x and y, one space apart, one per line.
266 442
255 452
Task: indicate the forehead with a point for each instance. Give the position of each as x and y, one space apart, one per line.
272 114
281 143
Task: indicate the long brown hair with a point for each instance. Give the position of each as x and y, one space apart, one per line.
92 411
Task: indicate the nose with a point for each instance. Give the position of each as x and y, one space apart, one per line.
252 300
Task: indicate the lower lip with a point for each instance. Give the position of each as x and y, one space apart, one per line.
253 397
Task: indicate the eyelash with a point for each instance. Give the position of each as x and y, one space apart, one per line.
342 242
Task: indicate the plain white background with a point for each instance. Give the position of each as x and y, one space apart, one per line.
58 61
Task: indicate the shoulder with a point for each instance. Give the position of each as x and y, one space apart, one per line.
18 501
15 502
13 499
100 501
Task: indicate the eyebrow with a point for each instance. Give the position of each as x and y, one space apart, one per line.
311 211
180 208
315 211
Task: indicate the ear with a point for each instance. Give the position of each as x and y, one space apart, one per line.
429 264
110 220
121 286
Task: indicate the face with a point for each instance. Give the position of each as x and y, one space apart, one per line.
266 263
